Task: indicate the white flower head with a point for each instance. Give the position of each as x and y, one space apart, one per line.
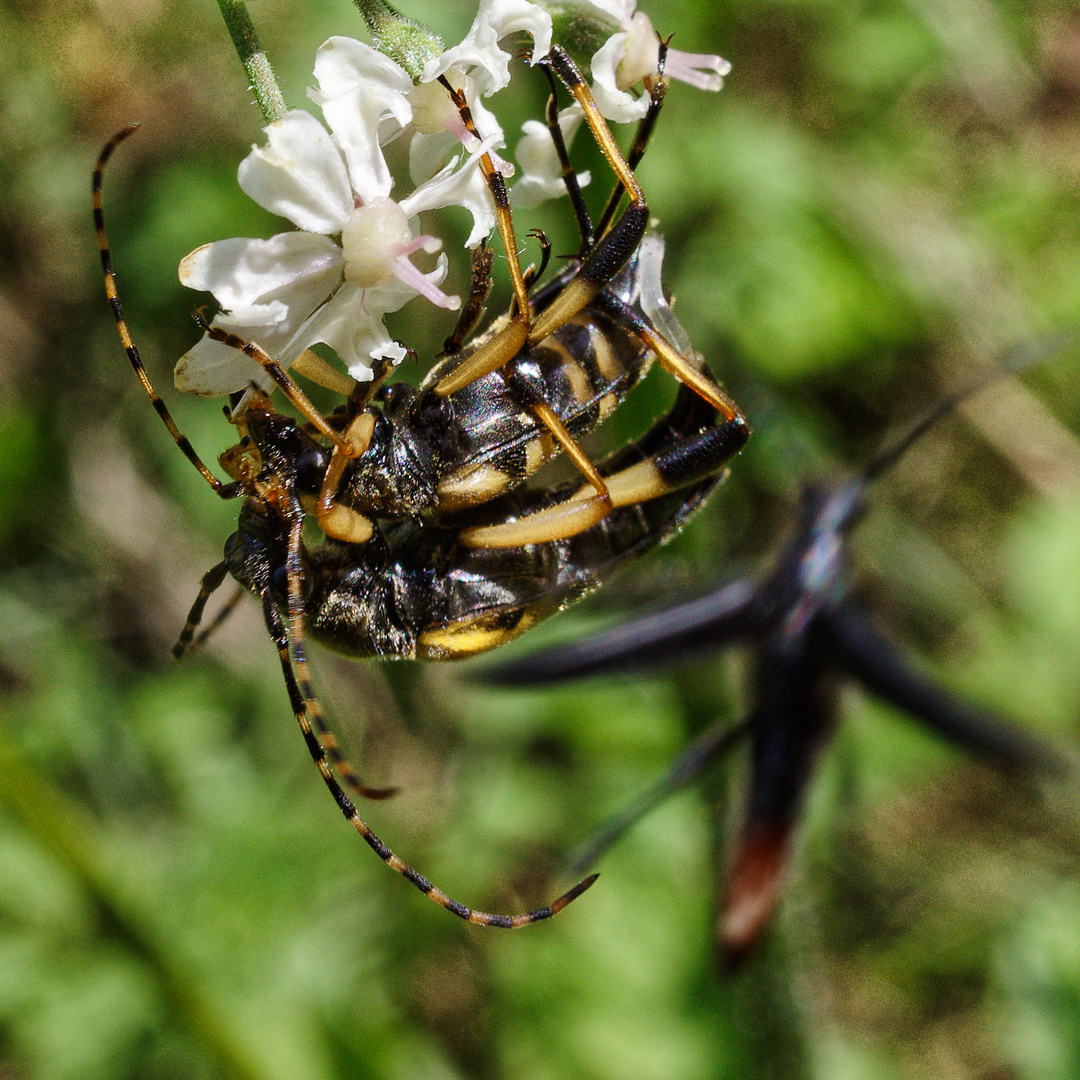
301 288
632 52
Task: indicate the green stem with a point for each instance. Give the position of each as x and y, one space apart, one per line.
242 31
406 41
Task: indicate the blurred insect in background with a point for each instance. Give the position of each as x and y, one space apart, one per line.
433 548
803 627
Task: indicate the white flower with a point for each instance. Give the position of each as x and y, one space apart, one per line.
300 288
480 49
541 176
634 52
348 78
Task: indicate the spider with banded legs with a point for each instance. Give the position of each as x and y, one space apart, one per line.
433 547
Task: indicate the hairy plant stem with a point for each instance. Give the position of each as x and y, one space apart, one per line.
242 31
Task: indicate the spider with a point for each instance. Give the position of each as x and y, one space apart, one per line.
802 625
433 548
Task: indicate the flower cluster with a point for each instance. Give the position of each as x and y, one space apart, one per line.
349 262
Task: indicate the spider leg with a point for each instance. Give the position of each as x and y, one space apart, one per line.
712 744
211 582
793 715
226 491
873 659
307 712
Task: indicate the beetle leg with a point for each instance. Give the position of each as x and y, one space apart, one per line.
676 463
505 345
534 273
274 369
618 241
657 87
483 258
323 749
295 669
312 366
225 611
335 519
609 254
689 374
211 582
569 175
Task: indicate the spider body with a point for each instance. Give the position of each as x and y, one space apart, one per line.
805 629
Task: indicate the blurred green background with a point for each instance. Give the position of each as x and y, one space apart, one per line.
884 195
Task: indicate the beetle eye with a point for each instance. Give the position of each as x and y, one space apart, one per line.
310 468
394 395
279 584
432 411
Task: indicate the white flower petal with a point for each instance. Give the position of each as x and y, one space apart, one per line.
299 175
428 155
244 273
541 170
465 187
211 369
480 47
620 10
653 297
641 52
343 63
351 324
615 104
486 124
269 287
359 89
